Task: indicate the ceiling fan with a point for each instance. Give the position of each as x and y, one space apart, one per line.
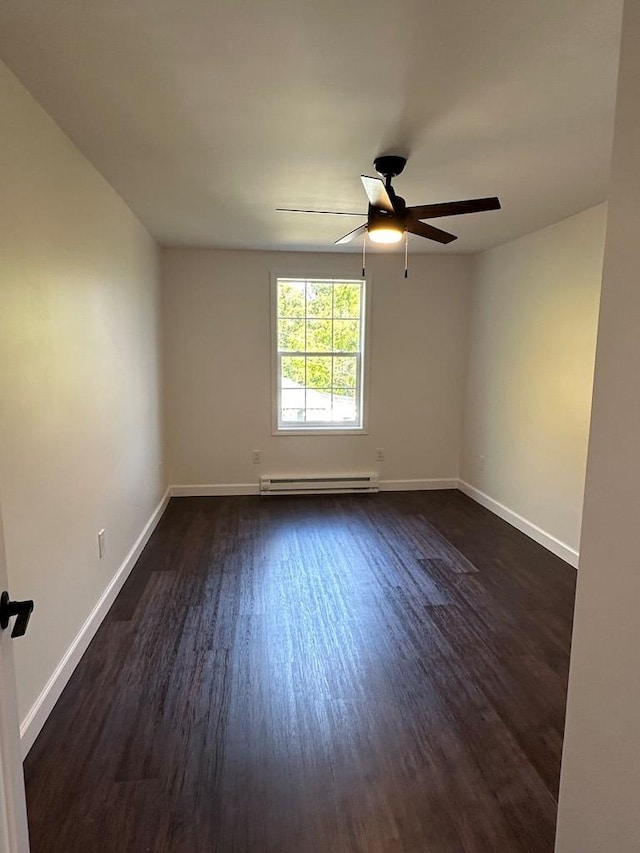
389 218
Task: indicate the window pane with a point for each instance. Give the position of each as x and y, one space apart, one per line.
291 335
292 402
344 406
290 298
344 372
293 415
319 416
293 398
319 372
346 335
346 300
319 405
318 336
319 299
292 371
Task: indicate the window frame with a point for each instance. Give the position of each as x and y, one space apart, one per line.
362 359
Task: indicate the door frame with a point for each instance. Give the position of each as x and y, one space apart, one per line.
14 833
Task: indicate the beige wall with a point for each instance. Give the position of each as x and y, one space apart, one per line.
531 356
79 401
600 785
216 308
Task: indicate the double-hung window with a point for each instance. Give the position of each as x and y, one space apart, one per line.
319 330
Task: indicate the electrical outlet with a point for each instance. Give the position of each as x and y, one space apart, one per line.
380 454
481 463
102 543
255 457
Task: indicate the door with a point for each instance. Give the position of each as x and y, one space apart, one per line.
13 810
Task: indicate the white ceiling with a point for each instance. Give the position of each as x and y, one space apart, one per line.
206 115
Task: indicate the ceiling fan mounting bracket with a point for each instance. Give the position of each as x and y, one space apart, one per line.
389 165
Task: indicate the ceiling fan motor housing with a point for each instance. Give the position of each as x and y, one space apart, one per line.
389 165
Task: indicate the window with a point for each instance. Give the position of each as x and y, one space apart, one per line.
318 339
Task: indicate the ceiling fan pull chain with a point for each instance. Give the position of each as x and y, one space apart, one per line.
364 249
406 254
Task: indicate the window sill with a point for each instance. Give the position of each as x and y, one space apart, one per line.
320 431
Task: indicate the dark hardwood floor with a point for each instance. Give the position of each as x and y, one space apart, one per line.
373 674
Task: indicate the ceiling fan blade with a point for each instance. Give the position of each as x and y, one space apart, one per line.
352 235
330 212
377 193
453 208
431 233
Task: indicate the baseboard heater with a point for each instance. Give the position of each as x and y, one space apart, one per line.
343 484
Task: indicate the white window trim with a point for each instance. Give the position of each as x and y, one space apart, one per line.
330 429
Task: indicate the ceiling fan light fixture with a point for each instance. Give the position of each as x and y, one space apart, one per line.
383 233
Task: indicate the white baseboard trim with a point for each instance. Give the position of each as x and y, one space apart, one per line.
42 707
214 490
547 540
417 485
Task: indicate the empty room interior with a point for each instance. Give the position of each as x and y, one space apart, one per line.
319 418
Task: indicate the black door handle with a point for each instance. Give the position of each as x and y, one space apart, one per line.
21 609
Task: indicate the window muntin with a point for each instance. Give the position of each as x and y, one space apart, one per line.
319 339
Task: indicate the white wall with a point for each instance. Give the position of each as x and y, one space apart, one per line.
531 356
79 399
216 309
600 785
